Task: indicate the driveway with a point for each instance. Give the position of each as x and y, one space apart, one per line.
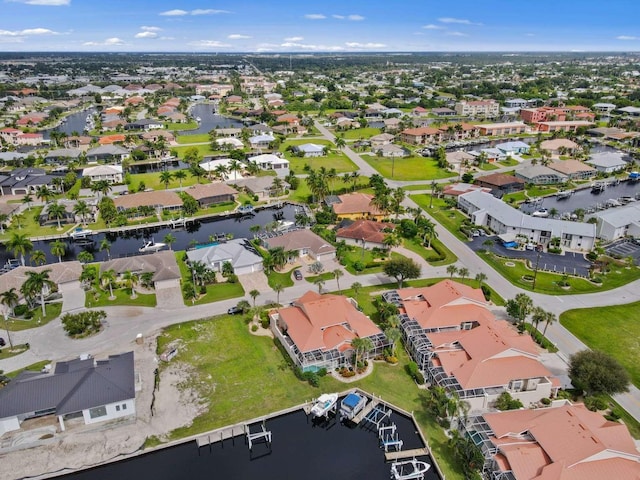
254 281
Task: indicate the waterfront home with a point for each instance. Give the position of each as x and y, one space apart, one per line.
364 233
62 155
261 141
65 275
573 169
618 222
500 183
158 200
309 150
495 129
558 146
567 126
208 194
93 390
163 266
238 252
273 162
453 190
262 187
382 139
108 173
107 154
23 181
517 147
540 175
302 243
356 205
607 162
317 331
421 135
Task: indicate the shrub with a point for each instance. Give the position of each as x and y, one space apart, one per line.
506 402
233 278
556 250
264 323
254 328
358 266
595 403
20 310
545 401
414 372
83 323
487 292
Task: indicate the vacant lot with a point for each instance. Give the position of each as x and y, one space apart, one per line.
410 168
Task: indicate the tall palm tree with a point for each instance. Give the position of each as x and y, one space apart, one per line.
481 278
81 209
254 294
3 218
107 279
9 299
393 334
57 211
18 219
38 257
44 193
337 273
320 283
452 270
278 288
463 272
170 239
27 199
538 314
35 285
550 317
166 177
235 166
356 286
180 175
20 245
362 346
85 257
221 172
59 249
131 280
106 245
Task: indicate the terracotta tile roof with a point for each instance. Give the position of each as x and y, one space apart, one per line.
325 322
563 443
370 231
108 139
163 198
418 132
355 203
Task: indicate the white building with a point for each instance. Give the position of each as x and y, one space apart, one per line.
607 162
618 222
486 210
237 252
110 173
269 161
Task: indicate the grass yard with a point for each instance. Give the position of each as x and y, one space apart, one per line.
515 197
100 298
303 195
179 127
6 351
541 191
31 227
406 169
34 367
152 180
284 279
325 277
437 255
252 378
509 162
204 149
448 217
371 261
339 161
53 311
421 186
613 329
487 167
196 138
359 133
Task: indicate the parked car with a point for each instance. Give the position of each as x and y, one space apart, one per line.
476 233
297 274
234 310
2 342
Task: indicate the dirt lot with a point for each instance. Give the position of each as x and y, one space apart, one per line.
85 445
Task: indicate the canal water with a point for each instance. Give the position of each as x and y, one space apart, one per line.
210 120
76 122
299 450
202 231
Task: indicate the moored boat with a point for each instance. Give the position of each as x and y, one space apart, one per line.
324 404
409 469
151 246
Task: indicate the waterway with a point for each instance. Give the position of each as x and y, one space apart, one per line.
76 122
299 450
210 120
128 242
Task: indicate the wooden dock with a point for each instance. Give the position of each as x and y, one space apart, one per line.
404 454
365 411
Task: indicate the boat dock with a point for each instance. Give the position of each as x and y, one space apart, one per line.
365 411
404 454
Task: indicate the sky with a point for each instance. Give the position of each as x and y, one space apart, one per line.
311 26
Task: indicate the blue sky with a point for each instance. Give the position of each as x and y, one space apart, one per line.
308 26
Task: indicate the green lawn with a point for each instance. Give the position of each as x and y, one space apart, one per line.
437 255
152 180
421 186
614 329
284 279
339 161
53 311
100 298
325 276
487 167
509 162
448 217
515 197
17 350
196 138
178 127
406 169
31 227
373 261
541 191
204 149
34 367
245 376
358 133
302 194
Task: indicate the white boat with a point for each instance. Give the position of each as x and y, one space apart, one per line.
409 469
324 404
542 212
351 405
562 194
152 246
284 225
198 119
81 233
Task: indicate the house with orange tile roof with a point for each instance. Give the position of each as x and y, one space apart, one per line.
564 442
356 205
421 135
317 331
458 344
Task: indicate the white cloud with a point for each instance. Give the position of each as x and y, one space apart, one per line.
174 13
365 45
294 39
312 47
207 11
27 32
315 16
627 37
461 21
456 34
146 35
353 18
150 29
108 42
47 3
431 26
209 44
237 36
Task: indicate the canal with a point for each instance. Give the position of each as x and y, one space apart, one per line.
201 231
76 122
210 120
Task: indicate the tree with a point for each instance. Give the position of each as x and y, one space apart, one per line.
57 211
356 286
9 299
390 241
596 372
59 249
463 272
27 199
548 320
506 402
189 291
106 245
180 175
83 323
107 279
35 284
481 278
20 245
401 269
520 307
166 177
131 280
337 273
452 270
361 347
170 239
85 257
394 335
254 294
278 288
235 166
320 283
38 257
44 193
18 218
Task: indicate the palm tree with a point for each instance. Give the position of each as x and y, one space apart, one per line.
320 283
20 245
429 229
131 280
57 211
27 199
169 239
38 257
85 257
254 294
538 314
463 272
107 279
35 284
9 299
44 193
106 245
337 273
166 177
390 241
481 278
361 346
235 166
81 209
220 172
278 288
452 270
549 318
393 334
18 218
180 175
59 249
434 192
3 218
397 197
356 286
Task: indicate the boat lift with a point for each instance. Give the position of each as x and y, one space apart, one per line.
377 415
389 437
262 434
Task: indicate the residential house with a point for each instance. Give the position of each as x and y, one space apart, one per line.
273 162
23 181
238 252
382 139
573 169
459 345
93 390
68 217
498 129
488 211
500 183
491 155
516 103
157 199
302 243
109 173
229 142
112 139
62 155
607 162
559 146
421 136
391 151
478 108
364 233
562 442
542 114
317 331
11 157
443 112
207 194
309 150
355 206
262 187
261 141
516 147
64 275
163 265
454 190
567 126
540 175
145 124
107 154
392 124
458 158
